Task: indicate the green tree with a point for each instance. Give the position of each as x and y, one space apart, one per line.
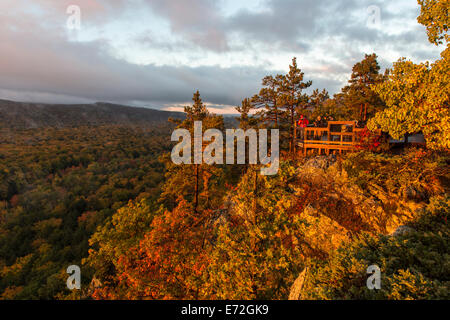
318 103
293 100
318 98
362 102
114 239
259 248
197 183
268 100
246 120
414 263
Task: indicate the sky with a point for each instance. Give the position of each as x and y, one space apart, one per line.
156 53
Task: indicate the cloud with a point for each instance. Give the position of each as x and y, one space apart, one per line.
40 61
198 20
50 64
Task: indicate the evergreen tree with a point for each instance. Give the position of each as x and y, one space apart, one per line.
318 98
293 99
268 100
194 181
362 102
246 120
317 102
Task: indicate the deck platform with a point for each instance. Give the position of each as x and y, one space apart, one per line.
337 137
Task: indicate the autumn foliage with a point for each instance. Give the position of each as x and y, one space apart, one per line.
368 140
168 263
110 198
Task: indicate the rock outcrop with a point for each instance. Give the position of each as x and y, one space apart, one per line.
401 230
296 289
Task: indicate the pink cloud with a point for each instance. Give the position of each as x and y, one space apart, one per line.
198 20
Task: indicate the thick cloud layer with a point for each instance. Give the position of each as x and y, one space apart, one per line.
191 44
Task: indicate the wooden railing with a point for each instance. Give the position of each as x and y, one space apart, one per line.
337 136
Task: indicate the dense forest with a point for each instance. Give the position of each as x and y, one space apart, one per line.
107 197
58 186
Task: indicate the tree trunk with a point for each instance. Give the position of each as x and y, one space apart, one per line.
196 187
255 195
276 117
295 137
275 108
292 148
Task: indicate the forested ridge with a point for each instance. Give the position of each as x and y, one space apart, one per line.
109 199
23 115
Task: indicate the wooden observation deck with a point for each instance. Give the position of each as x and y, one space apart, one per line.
338 136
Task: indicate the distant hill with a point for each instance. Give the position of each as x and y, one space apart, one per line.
22 115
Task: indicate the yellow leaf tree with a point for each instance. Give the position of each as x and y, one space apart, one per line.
417 95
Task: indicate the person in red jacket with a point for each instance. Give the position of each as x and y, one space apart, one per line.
302 124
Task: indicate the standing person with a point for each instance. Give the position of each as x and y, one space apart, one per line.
318 121
302 124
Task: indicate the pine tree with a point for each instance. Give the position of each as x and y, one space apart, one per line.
293 99
318 98
268 100
194 181
246 120
362 102
169 260
317 102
